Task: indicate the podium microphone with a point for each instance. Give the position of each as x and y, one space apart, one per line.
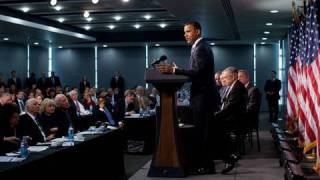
158 61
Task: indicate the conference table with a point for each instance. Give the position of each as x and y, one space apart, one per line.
99 155
140 131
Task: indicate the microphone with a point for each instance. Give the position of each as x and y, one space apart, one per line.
161 59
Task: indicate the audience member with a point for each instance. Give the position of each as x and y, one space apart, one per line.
272 88
14 80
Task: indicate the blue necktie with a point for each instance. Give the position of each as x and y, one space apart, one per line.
109 116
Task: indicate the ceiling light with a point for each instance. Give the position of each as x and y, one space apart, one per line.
137 26
163 25
58 8
111 26
147 16
87 27
157 45
274 11
105 45
6 39
264 39
36 43
89 19
61 20
269 24
117 18
95 1
60 47
266 32
53 2
25 9
86 14
212 44
262 43
125 0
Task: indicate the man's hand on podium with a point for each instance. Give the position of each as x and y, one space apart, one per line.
166 68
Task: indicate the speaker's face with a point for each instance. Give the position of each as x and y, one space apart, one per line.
191 33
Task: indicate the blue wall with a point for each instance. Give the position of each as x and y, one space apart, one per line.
13 57
71 64
130 61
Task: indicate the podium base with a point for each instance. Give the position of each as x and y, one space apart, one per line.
166 172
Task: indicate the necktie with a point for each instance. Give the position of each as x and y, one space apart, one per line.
36 120
109 116
21 105
78 107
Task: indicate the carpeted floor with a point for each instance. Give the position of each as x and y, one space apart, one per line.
254 165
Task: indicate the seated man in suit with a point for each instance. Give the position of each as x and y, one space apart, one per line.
125 107
254 96
64 113
74 102
29 123
232 109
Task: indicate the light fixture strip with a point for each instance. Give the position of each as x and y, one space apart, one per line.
50 61
147 57
96 66
28 60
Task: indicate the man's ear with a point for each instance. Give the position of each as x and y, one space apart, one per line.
198 32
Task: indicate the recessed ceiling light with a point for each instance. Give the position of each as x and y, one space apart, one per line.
36 43
25 9
95 1
212 44
86 14
61 20
117 18
87 27
157 45
125 0
58 8
264 39
89 19
269 24
262 43
6 39
53 2
274 11
105 46
137 26
60 47
163 25
111 26
147 16
266 32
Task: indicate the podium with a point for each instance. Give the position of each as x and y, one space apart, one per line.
168 158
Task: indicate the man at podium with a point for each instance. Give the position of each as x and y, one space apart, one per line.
204 95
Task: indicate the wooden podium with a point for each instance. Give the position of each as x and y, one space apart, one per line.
168 160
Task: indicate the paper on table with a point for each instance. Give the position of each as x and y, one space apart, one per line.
10 159
37 148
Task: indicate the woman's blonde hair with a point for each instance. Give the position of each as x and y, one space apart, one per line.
46 102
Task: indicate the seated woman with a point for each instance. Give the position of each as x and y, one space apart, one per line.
48 119
101 113
87 102
9 134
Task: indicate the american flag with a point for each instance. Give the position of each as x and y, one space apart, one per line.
313 72
303 82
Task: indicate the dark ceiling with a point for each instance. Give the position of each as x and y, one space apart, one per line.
223 21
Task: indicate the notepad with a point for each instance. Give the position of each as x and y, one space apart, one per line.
37 148
10 159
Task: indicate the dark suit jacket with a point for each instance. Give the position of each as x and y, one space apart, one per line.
274 87
30 81
201 67
55 83
117 84
100 116
42 83
254 99
7 131
64 119
17 83
235 105
82 86
29 128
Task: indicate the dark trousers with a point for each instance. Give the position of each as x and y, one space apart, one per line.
201 113
273 109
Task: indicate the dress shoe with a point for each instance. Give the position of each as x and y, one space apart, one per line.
228 167
202 171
